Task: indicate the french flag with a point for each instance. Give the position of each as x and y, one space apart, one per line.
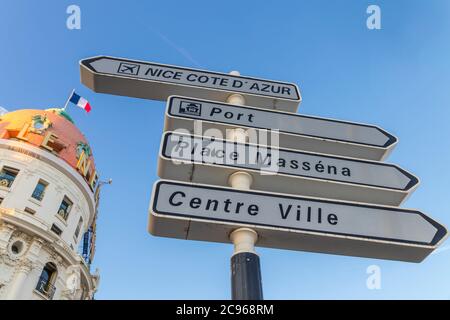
80 101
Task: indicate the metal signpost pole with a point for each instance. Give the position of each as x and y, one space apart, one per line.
246 283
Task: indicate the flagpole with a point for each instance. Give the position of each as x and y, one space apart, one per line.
68 99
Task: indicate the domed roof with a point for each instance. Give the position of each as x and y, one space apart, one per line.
34 126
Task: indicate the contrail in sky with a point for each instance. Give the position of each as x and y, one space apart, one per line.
172 44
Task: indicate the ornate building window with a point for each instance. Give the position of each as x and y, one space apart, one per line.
64 208
39 190
47 280
29 211
77 230
57 230
7 176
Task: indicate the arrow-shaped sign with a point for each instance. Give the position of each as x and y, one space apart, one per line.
156 81
294 131
211 160
203 212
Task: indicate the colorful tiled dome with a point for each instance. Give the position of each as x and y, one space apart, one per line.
35 126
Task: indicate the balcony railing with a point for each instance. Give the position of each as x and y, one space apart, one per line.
46 288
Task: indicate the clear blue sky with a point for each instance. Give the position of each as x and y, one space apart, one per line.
397 77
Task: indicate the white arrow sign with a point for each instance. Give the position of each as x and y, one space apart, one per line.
156 81
210 160
295 131
202 212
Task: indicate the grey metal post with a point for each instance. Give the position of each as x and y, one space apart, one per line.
246 283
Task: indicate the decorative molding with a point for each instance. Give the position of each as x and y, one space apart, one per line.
24 266
59 189
35 248
28 173
6 259
72 285
20 235
6 232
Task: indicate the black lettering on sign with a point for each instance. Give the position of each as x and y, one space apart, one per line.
191 77
265 87
179 203
178 198
237 84
254 87
167 74
286 90
310 217
264 161
153 72
216 111
270 88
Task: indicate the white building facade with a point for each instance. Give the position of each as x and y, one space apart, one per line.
48 207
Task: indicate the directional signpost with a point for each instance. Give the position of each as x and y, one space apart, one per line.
321 188
295 131
204 212
156 81
211 160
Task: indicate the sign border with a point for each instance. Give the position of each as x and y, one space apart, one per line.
413 183
392 141
440 235
86 63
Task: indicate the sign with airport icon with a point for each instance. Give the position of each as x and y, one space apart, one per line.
156 81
